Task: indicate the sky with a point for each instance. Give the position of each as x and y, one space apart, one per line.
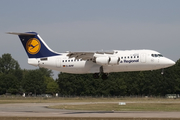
91 25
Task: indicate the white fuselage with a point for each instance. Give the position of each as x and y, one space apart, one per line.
119 61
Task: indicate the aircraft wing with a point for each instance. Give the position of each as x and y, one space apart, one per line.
86 55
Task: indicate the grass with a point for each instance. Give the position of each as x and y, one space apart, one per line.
12 99
132 104
127 107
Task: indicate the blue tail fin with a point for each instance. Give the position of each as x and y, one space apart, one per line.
34 45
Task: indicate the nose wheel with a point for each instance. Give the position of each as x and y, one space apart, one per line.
162 72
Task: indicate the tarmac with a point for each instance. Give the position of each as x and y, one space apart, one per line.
41 110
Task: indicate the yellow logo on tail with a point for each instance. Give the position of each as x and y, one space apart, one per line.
33 46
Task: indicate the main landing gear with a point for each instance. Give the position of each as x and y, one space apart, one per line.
96 75
103 75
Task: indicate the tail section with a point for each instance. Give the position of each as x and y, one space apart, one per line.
34 45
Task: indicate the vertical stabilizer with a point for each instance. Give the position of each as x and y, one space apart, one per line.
34 45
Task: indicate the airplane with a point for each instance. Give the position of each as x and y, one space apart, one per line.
99 63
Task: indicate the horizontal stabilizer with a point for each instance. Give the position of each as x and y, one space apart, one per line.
14 33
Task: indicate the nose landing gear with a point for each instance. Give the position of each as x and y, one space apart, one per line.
162 72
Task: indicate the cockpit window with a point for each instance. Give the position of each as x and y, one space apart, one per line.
160 55
156 55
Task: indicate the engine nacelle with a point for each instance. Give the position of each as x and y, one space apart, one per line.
102 60
114 60
107 60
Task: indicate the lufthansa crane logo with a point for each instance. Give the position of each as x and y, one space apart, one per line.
33 46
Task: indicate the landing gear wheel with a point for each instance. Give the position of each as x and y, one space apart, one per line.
104 76
96 75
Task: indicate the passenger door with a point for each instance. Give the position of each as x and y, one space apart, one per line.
143 57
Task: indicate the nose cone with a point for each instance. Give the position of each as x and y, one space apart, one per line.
167 62
171 63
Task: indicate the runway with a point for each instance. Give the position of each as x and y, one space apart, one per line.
41 110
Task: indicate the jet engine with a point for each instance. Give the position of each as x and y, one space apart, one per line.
114 60
107 60
102 60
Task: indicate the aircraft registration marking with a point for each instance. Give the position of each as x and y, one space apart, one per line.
68 65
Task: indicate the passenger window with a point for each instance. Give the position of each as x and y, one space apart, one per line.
121 57
65 60
62 60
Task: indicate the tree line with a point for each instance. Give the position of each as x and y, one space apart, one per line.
15 80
